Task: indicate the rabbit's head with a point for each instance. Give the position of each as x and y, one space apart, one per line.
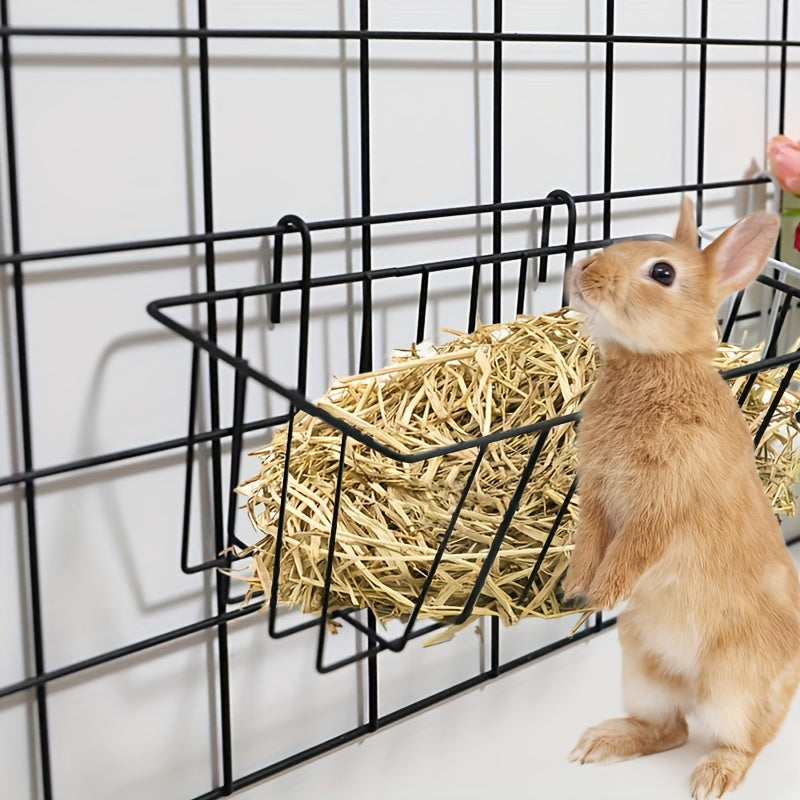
662 297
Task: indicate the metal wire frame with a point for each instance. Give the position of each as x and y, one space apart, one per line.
18 261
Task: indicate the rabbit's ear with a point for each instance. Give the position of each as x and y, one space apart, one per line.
738 255
686 232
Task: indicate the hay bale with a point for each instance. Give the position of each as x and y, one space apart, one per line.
392 515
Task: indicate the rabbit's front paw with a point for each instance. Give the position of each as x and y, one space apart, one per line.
607 591
571 592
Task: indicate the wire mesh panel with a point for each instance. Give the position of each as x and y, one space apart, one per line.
332 295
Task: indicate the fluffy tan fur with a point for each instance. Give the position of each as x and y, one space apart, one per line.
673 516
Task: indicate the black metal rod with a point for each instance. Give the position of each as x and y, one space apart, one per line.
544 242
237 430
376 275
189 473
572 224
221 579
281 522
497 186
277 278
153 448
497 161
494 646
568 200
365 358
346 222
155 308
778 396
210 277
239 328
474 295
223 681
777 327
372 677
546 545
732 315
784 50
373 35
761 366
522 280
34 584
128 650
331 555
748 387
608 120
701 111
299 225
422 305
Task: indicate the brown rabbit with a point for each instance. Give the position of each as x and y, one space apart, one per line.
673 515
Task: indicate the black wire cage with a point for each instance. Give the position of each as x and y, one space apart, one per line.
216 327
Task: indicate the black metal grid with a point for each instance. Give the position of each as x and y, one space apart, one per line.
205 341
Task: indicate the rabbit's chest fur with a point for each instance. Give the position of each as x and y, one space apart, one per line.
655 428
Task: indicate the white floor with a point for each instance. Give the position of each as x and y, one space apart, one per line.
510 739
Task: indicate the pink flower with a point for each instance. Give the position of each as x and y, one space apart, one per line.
783 155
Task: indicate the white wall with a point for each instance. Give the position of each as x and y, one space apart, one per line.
109 150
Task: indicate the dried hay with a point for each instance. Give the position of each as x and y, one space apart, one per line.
392 515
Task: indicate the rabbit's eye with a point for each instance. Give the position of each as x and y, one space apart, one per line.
662 273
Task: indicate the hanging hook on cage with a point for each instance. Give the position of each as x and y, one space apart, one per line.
560 196
294 223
